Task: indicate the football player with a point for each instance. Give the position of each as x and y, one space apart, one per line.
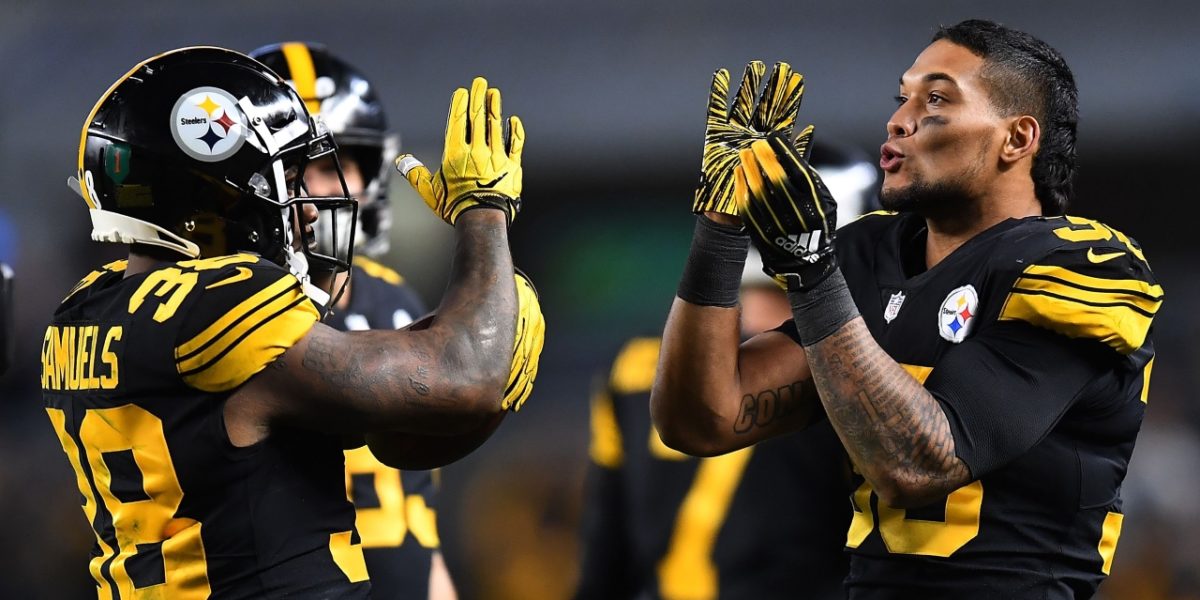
200 402
395 510
761 522
983 358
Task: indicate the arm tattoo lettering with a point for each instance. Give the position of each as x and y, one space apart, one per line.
886 419
765 407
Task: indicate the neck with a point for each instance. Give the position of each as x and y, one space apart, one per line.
948 232
142 258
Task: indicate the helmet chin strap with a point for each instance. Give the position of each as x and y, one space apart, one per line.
297 263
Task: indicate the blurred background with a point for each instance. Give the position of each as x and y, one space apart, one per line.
612 95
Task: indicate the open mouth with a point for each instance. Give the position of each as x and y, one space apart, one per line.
890 158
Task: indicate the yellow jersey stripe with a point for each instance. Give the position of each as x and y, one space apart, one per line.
1119 325
253 346
605 447
233 317
377 270
1110 532
1133 287
633 371
303 74
1145 396
1092 296
112 267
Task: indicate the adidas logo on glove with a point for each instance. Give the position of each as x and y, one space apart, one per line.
804 245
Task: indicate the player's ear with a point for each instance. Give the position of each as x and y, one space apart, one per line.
1023 137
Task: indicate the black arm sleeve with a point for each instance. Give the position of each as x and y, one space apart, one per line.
1006 388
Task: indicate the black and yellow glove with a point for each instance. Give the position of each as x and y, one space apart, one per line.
527 345
789 213
729 131
481 164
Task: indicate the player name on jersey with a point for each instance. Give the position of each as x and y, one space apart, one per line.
75 358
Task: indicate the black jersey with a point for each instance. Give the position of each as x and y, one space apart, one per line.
396 514
135 374
1034 336
759 523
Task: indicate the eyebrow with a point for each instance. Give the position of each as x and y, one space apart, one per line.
936 76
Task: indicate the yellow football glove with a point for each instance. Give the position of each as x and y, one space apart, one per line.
728 132
527 345
481 165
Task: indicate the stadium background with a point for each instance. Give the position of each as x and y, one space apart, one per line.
612 95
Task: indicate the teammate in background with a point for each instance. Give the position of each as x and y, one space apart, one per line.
990 393
396 515
202 406
757 523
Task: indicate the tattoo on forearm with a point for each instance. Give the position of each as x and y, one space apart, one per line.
468 345
765 407
886 419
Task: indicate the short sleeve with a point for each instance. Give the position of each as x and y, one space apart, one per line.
1006 388
247 313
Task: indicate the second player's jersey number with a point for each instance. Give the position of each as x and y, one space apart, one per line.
386 525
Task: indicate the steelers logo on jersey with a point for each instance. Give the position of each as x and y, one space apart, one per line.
958 313
207 124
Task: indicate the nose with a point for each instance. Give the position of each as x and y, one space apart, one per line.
900 124
308 213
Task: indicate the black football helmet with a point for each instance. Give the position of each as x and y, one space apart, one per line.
347 102
202 150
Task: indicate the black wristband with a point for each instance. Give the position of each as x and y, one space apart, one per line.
821 310
713 273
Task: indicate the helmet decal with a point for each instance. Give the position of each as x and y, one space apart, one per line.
207 124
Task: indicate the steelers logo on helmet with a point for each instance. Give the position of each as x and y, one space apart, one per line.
207 124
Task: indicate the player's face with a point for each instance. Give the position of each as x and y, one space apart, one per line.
321 178
944 138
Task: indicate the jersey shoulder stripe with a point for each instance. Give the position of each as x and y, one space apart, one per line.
112 268
1095 284
378 271
245 315
605 446
633 370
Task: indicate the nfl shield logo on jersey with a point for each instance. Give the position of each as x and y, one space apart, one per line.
893 306
958 313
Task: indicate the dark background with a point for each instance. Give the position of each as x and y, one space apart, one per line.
612 95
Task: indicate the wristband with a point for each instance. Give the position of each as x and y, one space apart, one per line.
821 310
713 273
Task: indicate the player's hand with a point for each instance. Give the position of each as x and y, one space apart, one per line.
789 213
730 130
481 162
527 345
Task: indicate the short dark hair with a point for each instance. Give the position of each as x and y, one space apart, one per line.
1027 76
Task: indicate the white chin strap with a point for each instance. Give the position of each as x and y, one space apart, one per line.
297 264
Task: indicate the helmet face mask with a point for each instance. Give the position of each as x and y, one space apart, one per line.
345 99
191 151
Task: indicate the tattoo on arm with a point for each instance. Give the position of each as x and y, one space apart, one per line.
886 419
448 369
768 406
